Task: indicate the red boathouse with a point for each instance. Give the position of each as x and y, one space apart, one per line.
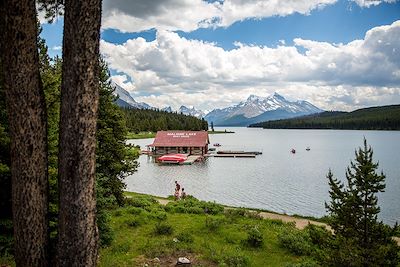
185 142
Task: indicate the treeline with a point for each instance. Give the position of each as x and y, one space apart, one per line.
142 120
375 118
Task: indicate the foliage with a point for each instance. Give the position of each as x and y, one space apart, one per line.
163 228
214 223
376 118
145 120
114 159
296 241
193 205
224 247
354 209
254 237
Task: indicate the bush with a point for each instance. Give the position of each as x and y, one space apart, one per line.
319 235
135 222
296 241
254 237
105 231
194 206
158 215
235 260
185 237
163 228
134 210
306 263
214 223
118 213
140 201
121 248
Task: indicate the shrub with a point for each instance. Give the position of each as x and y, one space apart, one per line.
163 228
296 241
121 248
140 201
105 231
118 213
214 223
195 210
319 235
235 260
211 207
185 237
254 237
135 222
158 215
134 210
306 263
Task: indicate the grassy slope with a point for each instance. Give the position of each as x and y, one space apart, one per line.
212 246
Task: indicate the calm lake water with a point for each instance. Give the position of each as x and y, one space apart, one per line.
277 180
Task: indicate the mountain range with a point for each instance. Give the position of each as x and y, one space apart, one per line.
255 109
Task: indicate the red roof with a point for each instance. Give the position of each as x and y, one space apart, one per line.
181 138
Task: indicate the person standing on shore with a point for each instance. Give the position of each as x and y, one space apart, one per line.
183 195
177 189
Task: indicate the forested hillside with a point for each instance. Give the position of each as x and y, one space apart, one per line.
140 120
375 118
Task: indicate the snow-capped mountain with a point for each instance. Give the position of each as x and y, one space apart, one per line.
126 100
191 111
257 109
167 109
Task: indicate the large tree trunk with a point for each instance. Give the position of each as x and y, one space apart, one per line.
78 235
27 120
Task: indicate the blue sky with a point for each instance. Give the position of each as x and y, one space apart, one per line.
336 54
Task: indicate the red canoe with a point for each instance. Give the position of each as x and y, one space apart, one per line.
172 158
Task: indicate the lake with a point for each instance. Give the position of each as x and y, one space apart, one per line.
277 180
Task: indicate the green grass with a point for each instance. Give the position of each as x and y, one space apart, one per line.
220 239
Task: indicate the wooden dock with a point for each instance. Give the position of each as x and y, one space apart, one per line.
192 158
232 155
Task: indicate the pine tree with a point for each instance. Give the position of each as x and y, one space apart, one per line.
354 211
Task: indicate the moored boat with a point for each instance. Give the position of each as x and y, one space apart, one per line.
172 158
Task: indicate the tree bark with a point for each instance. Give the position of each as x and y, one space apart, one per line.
78 235
28 130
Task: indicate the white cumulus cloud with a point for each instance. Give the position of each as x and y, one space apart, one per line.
172 69
189 15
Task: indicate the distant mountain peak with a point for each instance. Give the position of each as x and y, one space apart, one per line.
253 98
191 111
167 109
126 100
256 107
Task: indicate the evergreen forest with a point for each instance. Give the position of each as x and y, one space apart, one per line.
142 120
374 118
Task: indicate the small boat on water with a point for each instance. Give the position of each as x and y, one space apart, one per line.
308 148
172 158
293 151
